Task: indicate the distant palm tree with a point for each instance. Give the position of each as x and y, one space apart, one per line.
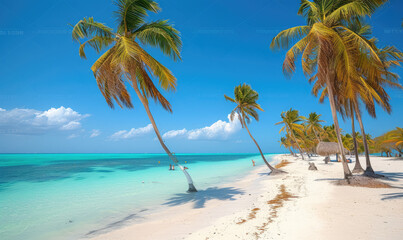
395 137
313 124
125 61
246 106
329 134
291 121
285 142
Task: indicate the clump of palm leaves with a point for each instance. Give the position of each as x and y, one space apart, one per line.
389 142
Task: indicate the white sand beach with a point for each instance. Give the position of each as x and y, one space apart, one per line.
301 204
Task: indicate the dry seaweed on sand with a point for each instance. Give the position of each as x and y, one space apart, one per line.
281 164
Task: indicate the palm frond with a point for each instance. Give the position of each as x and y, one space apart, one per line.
163 35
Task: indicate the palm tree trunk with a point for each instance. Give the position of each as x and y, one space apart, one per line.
295 139
357 168
192 188
346 169
368 171
289 149
273 170
316 135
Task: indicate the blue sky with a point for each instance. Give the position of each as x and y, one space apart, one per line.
49 100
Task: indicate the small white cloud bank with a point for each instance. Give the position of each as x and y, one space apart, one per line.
219 130
30 121
95 133
134 132
72 136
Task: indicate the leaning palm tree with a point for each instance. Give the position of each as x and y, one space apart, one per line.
246 106
291 120
326 45
285 142
313 124
124 61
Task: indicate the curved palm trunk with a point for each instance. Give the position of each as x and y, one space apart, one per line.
368 171
171 156
346 169
296 142
273 170
357 167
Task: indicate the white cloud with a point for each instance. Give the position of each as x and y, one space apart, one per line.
31 121
218 130
95 133
134 132
174 133
2 109
71 125
72 136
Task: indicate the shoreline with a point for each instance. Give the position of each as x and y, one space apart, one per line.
210 203
301 204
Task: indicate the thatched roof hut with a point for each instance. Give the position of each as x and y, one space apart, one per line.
327 148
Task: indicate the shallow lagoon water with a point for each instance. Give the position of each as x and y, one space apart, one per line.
70 196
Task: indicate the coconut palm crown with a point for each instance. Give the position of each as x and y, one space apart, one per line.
313 124
245 98
124 59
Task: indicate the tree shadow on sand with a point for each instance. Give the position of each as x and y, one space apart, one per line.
201 197
391 176
389 196
115 225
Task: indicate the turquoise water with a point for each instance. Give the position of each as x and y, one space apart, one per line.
71 196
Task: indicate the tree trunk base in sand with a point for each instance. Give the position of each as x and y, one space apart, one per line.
192 188
362 181
277 172
372 174
312 166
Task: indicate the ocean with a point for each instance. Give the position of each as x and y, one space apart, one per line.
72 196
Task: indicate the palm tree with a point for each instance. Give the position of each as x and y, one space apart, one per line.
246 106
125 61
285 142
313 124
291 121
395 137
326 45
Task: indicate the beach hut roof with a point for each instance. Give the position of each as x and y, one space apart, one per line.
327 148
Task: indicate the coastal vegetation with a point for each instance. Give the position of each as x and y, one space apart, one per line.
343 62
124 60
302 138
